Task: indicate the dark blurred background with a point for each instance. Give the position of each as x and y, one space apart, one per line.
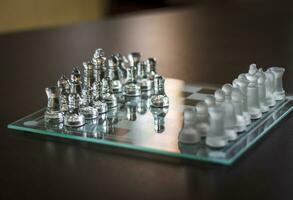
19 15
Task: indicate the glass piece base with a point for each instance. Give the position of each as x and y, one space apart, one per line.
156 131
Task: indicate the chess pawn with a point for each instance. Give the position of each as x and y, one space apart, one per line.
188 133
53 113
159 98
252 69
216 136
210 100
63 85
108 96
253 101
279 92
86 107
242 84
227 89
262 91
88 74
237 102
98 101
229 113
219 96
115 83
73 118
202 118
131 88
75 79
99 60
145 83
159 115
270 88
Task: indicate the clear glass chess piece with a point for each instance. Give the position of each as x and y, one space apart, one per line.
63 85
99 60
150 68
121 67
159 98
88 74
108 95
159 115
131 87
113 73
143 103
87 108
53 113
98 101
134 59
73 117
145 83
131 106
75 78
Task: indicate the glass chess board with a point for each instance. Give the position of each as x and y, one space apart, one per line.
137 126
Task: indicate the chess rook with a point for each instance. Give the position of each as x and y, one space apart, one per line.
270 88
53 113
279 92
216 136
188 134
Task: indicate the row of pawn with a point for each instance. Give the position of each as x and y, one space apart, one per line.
102 86
222 116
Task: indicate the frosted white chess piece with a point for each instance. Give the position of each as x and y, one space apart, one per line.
242 84
229 115
219 96
262 91
252 69
189 134
210 100
279 92
202 118
237 101
253 101
216 136
270 88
